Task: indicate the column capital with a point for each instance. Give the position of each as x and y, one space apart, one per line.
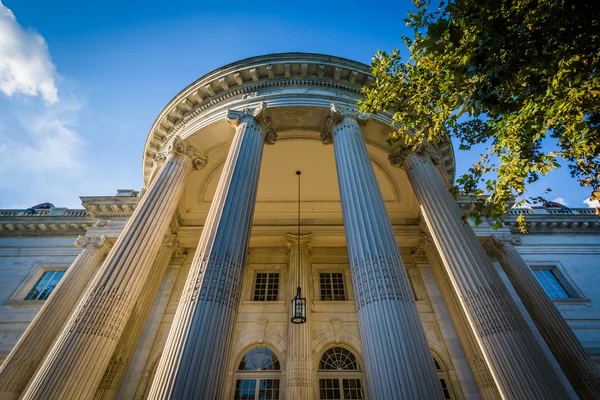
337 115
98 242
291 240
501 243
424 244
259 115
424 148
178 146
170 240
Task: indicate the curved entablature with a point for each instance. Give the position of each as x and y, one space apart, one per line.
298 88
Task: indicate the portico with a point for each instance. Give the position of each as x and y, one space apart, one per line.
219 168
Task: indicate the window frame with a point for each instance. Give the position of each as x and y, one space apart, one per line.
340 375
269 273
576 295
316 270
247 297
331 284
257 375
442 372
36 272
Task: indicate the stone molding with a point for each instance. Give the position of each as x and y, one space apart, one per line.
247 76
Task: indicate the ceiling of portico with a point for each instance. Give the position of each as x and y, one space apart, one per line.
296 149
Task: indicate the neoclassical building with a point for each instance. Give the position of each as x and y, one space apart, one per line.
184 289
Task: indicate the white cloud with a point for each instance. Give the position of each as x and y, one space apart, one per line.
592 203
47 140
25 64
560 200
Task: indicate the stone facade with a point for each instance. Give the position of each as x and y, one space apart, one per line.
197 270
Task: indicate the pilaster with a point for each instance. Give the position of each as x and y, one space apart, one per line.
580 369
193 363
28 353
299 380
78 359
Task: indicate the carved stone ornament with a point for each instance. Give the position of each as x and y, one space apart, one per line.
424 244
424 148
499 243
178 146
291 240
257 114
338 113
98 242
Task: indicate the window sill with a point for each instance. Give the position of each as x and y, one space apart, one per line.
328 306
24 303
571 301
263 302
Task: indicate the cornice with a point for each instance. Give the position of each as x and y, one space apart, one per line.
52 222
246 77
110 206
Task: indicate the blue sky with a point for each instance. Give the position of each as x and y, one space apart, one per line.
82 82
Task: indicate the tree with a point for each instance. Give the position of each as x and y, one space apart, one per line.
519 76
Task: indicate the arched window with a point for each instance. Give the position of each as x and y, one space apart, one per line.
443 377
340 375
258 375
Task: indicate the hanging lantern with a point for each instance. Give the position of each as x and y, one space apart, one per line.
298 302
299 308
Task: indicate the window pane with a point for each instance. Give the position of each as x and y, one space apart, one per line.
329 389
332 286
273 287
337 282
445 389
260 288
245 389
259 359
51 285
45 285
551 284
325 280
266 287
352 389
338 358
268 389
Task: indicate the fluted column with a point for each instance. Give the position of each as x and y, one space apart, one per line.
28 353
580 369
516 360
193 363
398 360
299 380
77 361
123 354
468 342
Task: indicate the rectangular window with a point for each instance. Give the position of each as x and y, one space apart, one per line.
445 389
247 389
266 287
330 389
268 389
332 286
551 284
45 285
